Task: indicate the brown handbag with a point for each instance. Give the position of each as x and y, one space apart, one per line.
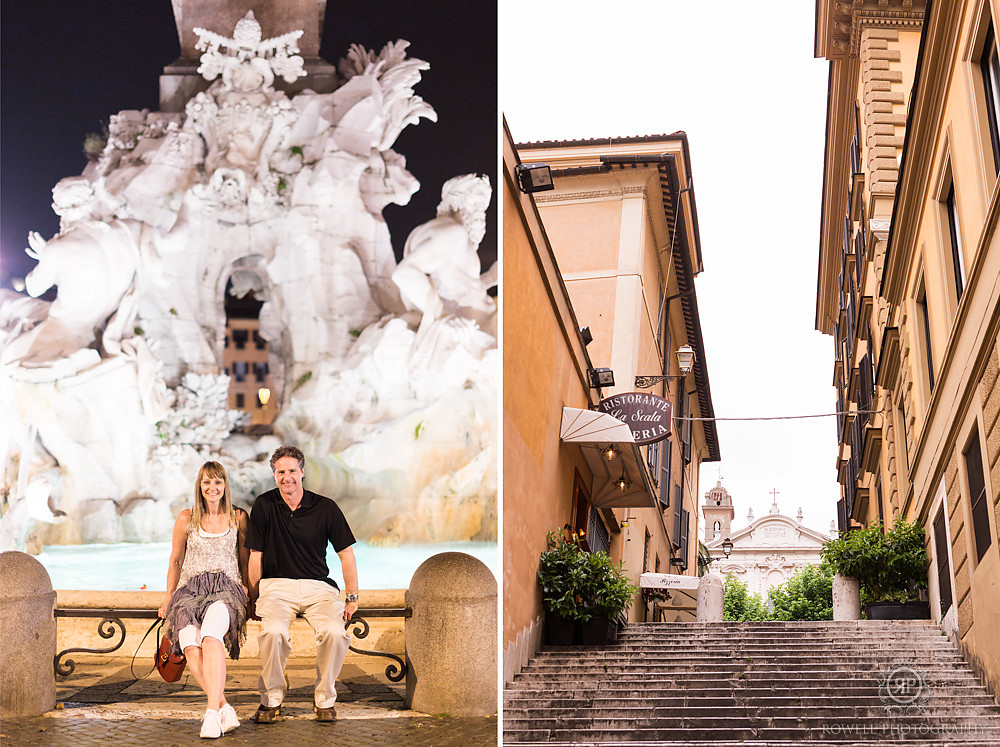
170 666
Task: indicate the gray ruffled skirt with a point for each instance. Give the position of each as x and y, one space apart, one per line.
188 604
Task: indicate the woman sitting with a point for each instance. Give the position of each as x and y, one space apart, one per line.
206 600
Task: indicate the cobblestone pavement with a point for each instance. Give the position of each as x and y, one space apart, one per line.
101 703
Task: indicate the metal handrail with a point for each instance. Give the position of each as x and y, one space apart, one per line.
111 625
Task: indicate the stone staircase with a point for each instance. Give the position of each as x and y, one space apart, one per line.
864 682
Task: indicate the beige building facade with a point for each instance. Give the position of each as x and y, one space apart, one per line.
909 284
613 248
245 361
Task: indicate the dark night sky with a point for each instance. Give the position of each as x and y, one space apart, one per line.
67 65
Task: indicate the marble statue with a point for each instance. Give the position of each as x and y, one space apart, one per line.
440 269
385 373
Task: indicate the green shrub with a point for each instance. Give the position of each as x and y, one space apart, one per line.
889 567
578 585
807 595
739 605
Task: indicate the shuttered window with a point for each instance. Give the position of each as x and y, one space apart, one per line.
977 495
665 482
924 321
678 514
958 264
943 569
684 426
685 521
989 64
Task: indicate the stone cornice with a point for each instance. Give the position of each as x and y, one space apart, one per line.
839 22
593 194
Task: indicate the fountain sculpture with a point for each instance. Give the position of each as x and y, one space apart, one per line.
385 373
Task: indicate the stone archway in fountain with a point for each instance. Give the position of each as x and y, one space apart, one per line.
253 362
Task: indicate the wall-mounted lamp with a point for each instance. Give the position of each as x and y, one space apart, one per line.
610 453
727 548
685 361
586 336
601 377
263 395
534 177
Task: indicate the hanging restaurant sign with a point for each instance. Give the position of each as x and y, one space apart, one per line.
646 415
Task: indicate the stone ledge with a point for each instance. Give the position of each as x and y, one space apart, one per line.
385 634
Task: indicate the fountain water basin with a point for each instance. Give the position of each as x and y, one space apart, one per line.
128 566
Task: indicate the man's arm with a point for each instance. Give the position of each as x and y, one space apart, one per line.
253 576
349 566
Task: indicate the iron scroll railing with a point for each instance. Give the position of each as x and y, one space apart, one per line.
111 626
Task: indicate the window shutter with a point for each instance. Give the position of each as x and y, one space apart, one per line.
678 514
685 426
685 520
653 457
943 570
977 495
668 453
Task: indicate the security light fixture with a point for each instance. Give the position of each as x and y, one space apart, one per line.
601 377
534 177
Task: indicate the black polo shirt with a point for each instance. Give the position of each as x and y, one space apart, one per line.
293 543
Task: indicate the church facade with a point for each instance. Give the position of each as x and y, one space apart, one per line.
766 552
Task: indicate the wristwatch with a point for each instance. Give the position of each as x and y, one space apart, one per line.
351 598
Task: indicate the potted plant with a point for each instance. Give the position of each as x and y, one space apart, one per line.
891 568
560 575
583 592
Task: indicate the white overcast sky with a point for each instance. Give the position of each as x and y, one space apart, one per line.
741 80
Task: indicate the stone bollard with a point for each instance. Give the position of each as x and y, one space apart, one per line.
27 637
451 638
846 598
710 598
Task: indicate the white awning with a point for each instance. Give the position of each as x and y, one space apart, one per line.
667 581
590 426
592 431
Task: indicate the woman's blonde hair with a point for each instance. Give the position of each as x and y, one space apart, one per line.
212 470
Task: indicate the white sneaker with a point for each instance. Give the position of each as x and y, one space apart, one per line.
211 725
227 715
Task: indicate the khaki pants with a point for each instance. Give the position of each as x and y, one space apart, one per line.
281 599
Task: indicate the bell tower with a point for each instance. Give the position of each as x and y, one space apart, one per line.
718 512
